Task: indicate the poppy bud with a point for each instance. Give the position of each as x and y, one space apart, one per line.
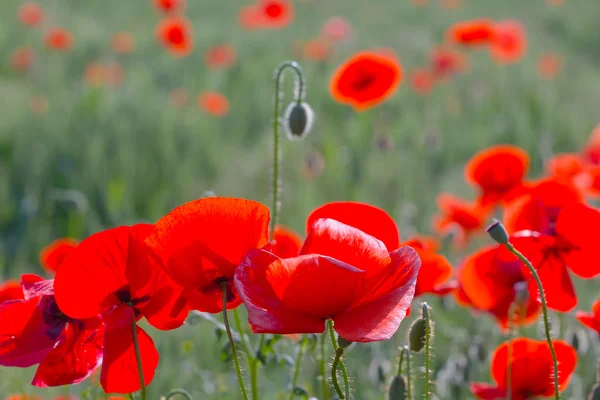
298 120
595 393
398 388
416 335
497 231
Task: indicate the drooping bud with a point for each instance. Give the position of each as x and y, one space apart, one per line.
497 231
398 388
298 120
416 335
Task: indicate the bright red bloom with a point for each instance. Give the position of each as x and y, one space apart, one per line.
287 243
250 17
201 243
591 150
370 219
474 32
588 181
221 56
59 39
175 34
169 6
31 14
549 65
435 272
213 103
336 29
564 167
34 331
53 255
591 320
10 290
341 274
531 367
446 62
112 273
509 43
22 59
275 14
422 81
366 79
123 43
457 217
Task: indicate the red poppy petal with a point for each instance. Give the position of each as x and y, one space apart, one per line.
369 219
14 318
347 244
10 290
497 169
567 361
435 270
88 278
583 259
378 315
167 308
119 366
588 320
558 287
35 286
287 242
486 391
54 254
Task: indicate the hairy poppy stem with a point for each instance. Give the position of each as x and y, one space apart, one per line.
427 348
254 368
324 385
276 147
405 350
512 310
181 392
335 365
535 275
138 357
232 343
339 352
298 365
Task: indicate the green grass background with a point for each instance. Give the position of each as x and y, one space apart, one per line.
102 157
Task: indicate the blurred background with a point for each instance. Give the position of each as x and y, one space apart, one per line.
102 126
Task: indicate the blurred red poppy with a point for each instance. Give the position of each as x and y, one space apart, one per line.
316 50
446 62
31 14
287 243
475 32
422 81
458 217
35 331
201 243
498 172
275 14
93 74
369 219
373 288
111 273
509 42
220 56
22 59
23 397
250 17
591 150
123 43
169 6
366 79
435 272
336 29
59 39
213 103
531 370
54 254
175 34
10 290
549 65
564 167
591 320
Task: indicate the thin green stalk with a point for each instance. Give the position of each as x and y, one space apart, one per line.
298 365
130 396
324 385
138 357
427 349
238 326
338 358
340 362
535 275
408 373
511 313
254 369
232 343
401 361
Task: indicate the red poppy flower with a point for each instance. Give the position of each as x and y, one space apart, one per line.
23 397
336 29
275 14
59 39
509 43
34 331
123 43
316 50
490 280
250 17
213 103
366 79
112 273
94 74
31 14
474 32
341 274
446 62
175 34
565 167
169 6
53 255
287 243
498 172
531 370
549 65
22 59
591 320
591 150
10 290
201 243
435 272
458 217
425 243
221 56
370 219
588 181
422 81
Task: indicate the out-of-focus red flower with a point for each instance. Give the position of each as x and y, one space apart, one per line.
435 272
366 79
59 39
422 81
275 14
446 62
54 254
564 167
123 43
509 43
38 104
591 320
531 370
179 97
475 32
341 274
31 14
93 74
316 50
35 331
213 103
111 273
369 219
169 6
588 181
336 29
201 243
221 56
287 243
591 150
250 17
549 65
23 397
22 59
498 172
457 217
10 290
175 34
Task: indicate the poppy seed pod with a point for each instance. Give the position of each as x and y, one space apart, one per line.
497 231
595 392
398 388
298 120
416 335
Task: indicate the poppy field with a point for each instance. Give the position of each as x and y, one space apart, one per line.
299 199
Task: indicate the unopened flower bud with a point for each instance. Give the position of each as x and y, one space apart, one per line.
416 335
398 388
298 120
497 231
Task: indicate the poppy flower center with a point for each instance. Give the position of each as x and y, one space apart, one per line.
363 80
53 317
175 35
220 281
274 10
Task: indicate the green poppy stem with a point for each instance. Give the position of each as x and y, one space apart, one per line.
298 366
340 362
322 362
138 357
232 343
